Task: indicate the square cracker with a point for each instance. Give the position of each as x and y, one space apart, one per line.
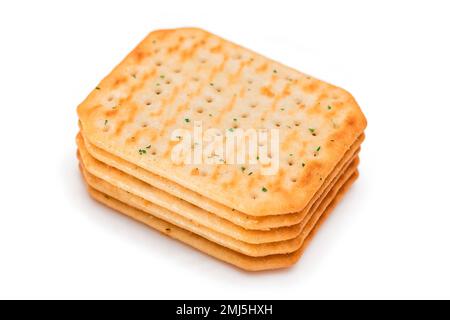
176 77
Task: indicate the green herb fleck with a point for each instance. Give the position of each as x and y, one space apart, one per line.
97 88
329 107
231 130
106 122
211 84
187 120
275 71
318 149
148 147
210 115
264 189
303 164
242 169
142 151
162 76
257 158
250 173
234 119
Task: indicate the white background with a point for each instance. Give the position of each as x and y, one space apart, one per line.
389 238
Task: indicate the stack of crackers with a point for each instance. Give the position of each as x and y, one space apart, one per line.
258 213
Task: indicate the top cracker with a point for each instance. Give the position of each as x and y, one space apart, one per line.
177 78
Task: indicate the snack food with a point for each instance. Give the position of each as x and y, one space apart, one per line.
184 79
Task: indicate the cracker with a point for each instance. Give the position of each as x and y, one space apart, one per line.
250 249
232 215
176 77
213 249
